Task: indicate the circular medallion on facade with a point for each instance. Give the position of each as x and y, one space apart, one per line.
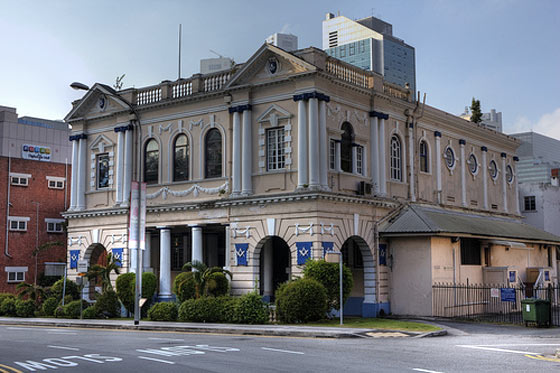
101 102
473 164
493 169
272 65
449 156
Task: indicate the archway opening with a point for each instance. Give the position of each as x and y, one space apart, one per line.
98 256
274 264
357 256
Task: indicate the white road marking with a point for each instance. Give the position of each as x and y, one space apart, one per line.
167 339
520 344
500 350
154 359
62 333
64 348
285 351
425 370
16 328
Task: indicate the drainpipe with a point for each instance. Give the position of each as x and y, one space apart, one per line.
8 208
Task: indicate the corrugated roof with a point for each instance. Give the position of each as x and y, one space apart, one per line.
421 219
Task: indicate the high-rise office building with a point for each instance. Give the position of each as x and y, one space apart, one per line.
288 42
491 120
369 44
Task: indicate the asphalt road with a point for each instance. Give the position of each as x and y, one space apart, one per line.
468 348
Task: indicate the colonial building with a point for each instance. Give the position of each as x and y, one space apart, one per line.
284 158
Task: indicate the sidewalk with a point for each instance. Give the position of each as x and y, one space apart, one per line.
237 329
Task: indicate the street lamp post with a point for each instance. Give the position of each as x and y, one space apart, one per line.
138 287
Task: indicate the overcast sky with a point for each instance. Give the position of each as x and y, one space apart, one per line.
504 52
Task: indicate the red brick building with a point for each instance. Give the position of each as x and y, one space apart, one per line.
34 191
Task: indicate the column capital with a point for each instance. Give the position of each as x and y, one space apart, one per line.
378 114
306 96
77 137
123 128
484 148
240 108
437 134
162 227
503 155
462 142
515 158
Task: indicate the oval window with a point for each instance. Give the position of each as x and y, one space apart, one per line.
473 165
509 174
449 156
493 169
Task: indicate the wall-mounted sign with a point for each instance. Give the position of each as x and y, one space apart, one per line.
508 294
36 152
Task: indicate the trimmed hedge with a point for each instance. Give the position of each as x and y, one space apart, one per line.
107 304
203 309
89 313
126 284
184 286
72 309
49 306
217 285
251 309
247 309
328 275
59 312
25 308
71 290
164 311
8 307
301 301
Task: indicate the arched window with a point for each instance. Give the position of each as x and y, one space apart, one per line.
213 154
396 158
181 158
346 147
424 165
151 162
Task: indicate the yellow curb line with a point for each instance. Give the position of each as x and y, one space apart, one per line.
541 357
10 369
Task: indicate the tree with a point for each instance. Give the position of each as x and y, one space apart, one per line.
202 274
98 271
34 292
476 113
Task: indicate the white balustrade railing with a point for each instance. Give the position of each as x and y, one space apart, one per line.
148 96
215 82
181 89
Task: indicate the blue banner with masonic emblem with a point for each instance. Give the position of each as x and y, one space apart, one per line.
74 257
303 252
241 253
117 255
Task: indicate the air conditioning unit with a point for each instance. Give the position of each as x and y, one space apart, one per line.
365 189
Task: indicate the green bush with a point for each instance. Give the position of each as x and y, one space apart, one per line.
107 304
126 284
184 286
203 309
89 313
59 312
301 301
71 289
328 275
25 308
217 284
46 281
164 311
149 286
3 297
49 306
72 309
8 306
251 309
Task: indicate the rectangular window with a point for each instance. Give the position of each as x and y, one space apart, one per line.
55 182
470 251
275 159
177 244
102 171
352 49
54 226
530 204
19 181
332 154
360 160
18 224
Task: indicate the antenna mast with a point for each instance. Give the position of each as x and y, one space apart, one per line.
180 33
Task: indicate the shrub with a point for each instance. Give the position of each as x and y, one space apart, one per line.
107 304
71 289
25 308
46 281
203 309
149 286
184 286
126 284
302 300
217 284
3 297
72 309
327 274
49 306
59 312
8 306
164 311
89 313
251 309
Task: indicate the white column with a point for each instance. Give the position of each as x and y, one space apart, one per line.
228 249
120 165
302 144
197 244
484 179
374 152
246 157
81 198
354 160
323 145
74 184
463 174
337 157
313 142
411 161
504 182
164 263
517 210
382 158
268 269
236 172
147 251
127 168
133 255
438 166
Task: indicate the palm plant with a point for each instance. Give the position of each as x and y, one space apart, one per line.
201 275
103 273
31 291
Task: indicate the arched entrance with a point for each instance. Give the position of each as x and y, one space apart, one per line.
97 255
274 265
357 256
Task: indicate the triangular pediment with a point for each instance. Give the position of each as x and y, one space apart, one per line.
273 114
267 64
100 100
101 144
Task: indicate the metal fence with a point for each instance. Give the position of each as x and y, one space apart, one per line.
491 303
